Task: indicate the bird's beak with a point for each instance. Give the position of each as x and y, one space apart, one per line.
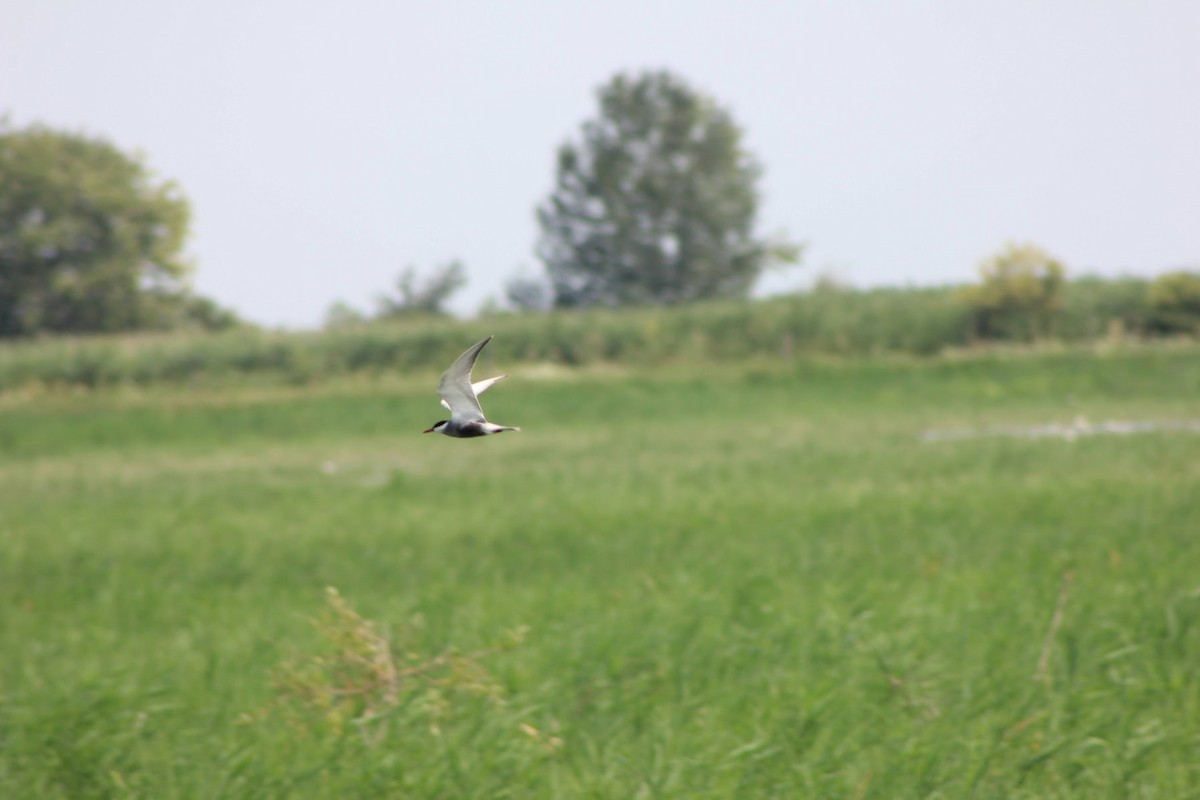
427 430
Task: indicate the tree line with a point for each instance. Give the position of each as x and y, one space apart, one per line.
655 204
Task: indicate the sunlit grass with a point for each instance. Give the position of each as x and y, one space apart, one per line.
753 581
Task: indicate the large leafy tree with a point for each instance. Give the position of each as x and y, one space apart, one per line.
89 240
656 204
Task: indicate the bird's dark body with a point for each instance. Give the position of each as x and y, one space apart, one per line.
470 430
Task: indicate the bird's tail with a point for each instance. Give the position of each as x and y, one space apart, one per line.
482 386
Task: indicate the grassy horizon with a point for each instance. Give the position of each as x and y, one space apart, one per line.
830 320
745 580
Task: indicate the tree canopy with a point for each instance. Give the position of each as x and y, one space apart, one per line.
90 240
657 204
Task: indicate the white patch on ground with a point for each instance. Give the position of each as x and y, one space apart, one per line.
1078 427
368 473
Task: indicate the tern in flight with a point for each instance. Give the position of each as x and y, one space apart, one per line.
461 397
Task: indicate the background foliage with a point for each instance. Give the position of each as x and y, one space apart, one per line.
90 240
428 296
829 320
1174 303
1019 294
657 204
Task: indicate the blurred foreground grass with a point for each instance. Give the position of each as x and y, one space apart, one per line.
746 581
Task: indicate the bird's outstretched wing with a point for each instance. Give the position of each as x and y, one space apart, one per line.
479 387
455 386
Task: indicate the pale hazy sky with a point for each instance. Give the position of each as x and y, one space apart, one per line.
325 146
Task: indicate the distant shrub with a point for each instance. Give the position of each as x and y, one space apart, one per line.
425 296
1019 296
1173 302
1095 307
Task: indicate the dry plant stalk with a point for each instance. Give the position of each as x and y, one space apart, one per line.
1043 666
364 676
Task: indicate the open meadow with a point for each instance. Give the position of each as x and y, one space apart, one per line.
750 580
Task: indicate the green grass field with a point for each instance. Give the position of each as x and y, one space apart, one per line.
693 582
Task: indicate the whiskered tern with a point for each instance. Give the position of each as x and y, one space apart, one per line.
461 397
